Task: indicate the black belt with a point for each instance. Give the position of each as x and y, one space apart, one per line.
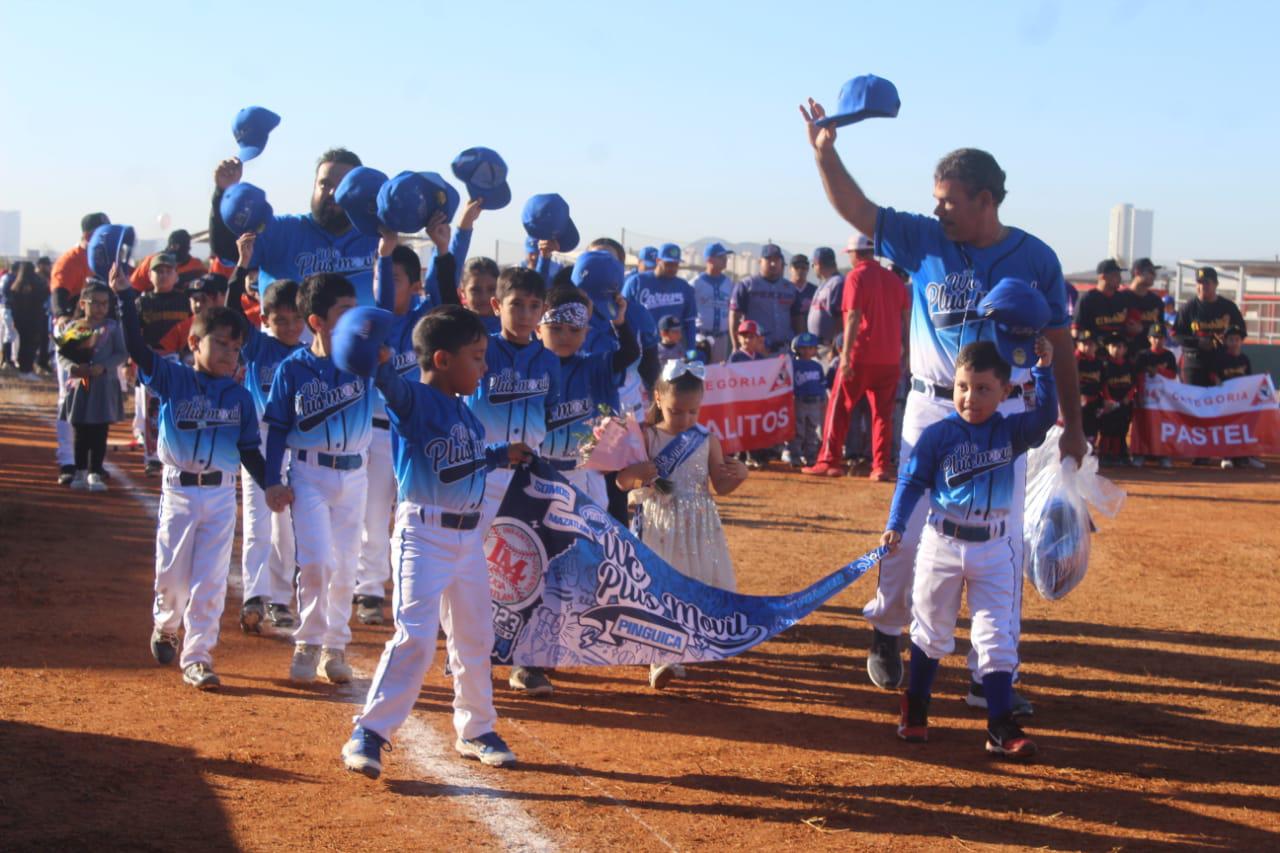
381 423
811 398
209 478
947 391
971 533
339 462
563 464
454 520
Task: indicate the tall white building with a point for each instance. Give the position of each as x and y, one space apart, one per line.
1130 234
10 233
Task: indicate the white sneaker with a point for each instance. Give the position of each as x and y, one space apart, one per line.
96 483
306 660
80 480
1255 463
1166 462
1227 463
334 666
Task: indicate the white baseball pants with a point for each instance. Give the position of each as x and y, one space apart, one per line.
375 538
328 510
267 553
988 573
193 554
890 610
441 579
66 454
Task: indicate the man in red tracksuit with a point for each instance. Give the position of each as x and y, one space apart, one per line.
876 308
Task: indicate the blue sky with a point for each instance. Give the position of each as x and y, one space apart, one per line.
676 120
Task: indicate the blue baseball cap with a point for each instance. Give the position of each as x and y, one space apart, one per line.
444 196
251 128
670 252
648 257
405 202
485 174
358 336
770 250
107 245
824 255
357 195
244 209
862 97
530 244
715 250
805 339
546 216
599 274
1020 313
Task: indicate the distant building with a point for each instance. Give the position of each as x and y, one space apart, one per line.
10 233
1130 234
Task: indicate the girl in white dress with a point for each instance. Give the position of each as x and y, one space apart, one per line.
679 519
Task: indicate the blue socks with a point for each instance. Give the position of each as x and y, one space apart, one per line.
923 669
998 688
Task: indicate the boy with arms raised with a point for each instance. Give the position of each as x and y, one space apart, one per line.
442 465
324 416
208 429
966 464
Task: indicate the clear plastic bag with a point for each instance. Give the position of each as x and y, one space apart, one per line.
1056 526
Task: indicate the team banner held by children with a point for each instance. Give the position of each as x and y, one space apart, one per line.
750 405
1237 418
573 587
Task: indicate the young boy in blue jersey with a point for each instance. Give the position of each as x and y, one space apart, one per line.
588 383
208 429
397 279
811 401
324 417
267 551
966 464
477 290
520 389
670 339
442 464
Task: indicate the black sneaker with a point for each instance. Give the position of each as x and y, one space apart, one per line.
369 609
1006 739
280 617
66 474
164 646
977 698
884 662
155 466
252 614
530 680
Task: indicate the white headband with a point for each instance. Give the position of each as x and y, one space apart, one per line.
570 314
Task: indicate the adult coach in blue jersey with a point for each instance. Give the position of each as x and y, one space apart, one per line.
957 255
294 247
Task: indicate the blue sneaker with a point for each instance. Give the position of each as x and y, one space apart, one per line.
363 753
487 749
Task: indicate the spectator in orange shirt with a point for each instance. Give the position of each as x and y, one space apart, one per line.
71 270
187 267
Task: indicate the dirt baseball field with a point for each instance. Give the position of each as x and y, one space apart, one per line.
1156 687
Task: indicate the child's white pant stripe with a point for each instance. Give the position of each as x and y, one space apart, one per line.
266 556
328 511
987 572
193 554
375 539
435 570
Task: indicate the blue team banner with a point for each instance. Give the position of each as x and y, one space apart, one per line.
573 587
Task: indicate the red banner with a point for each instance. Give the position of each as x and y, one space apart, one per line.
750 405
1240 417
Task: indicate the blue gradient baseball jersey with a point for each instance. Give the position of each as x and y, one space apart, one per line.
204 420
438 445
586 383
664 297
319 406
262 354
296 247
950 279
968 468
400 337
515 396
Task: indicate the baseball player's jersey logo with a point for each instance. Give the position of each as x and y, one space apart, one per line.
331 260
967 461
507 387
266 373
457 455
316 402
404 362
201 413
568 412
954 300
